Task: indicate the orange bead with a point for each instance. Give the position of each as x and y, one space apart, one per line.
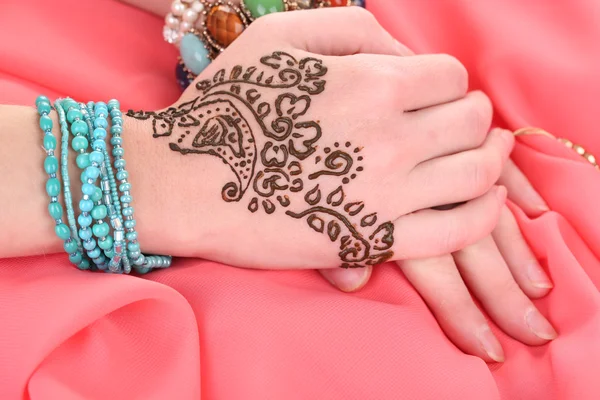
224 24
338 3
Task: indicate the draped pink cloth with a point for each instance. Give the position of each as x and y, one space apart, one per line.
205 330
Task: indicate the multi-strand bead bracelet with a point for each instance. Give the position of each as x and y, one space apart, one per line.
204 28
106 192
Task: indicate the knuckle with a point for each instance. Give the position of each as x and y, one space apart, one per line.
455 237
455 71
481 173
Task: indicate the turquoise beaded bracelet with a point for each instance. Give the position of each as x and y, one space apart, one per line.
88 125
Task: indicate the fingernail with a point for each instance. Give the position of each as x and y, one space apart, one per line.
490 344
538 277
539 325
347 280
501 193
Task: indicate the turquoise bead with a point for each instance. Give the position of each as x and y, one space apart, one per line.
84 220
97 196
96 157
116 141
100 259
100 230
128 211
116 130
133 247
120 163
124 187
85 233
79 127
75 258
86 205
83 160
83 177
99 144
126 199
106 243
118 152
122 175
194 53
44 107
99 212
114 103
84 265
62 231
88 189
69 103
95 253
49 142
89 245
109 252
131 236
46 123
73 115
41 99
70 246
117 121
53 187
129 224
55 210
115 113
101 122
92 172
51 165
99 133
79 143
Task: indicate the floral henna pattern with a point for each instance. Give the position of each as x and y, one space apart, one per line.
271 148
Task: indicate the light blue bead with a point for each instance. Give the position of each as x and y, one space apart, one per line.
120 163
101 122
124 187
99 133
44 107
96 156
194 53
83 177
55 210
79 127
89 245
86 205
46 123
85 233
114 103
69 103
70 246
134 254
53 187
110 252
84 265
99 212
99 144
107 243
94 253
62 231
133 247
122 175
115 113
83 160
131 236
88 189
75 258
118 152
126 199
73 115
129 224
97 196
101 230
116 141
49 142
100 259
84 220
92 172
127 211
79 143
116 130
41 99
51 165
117 121
100 104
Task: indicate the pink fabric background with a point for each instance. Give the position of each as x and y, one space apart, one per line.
206 330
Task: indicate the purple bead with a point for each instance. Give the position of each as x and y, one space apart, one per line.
182 76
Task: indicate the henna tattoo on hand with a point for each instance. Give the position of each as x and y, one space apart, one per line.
271 147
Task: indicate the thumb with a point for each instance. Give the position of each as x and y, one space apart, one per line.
347 280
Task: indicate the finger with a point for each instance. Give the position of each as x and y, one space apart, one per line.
438 282
429 233
349 30
460 177
347 279
520 190
453 127
526 270
488 278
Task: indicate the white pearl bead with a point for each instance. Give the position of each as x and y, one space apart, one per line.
197 6
172 21
190 15
177 8
185 26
